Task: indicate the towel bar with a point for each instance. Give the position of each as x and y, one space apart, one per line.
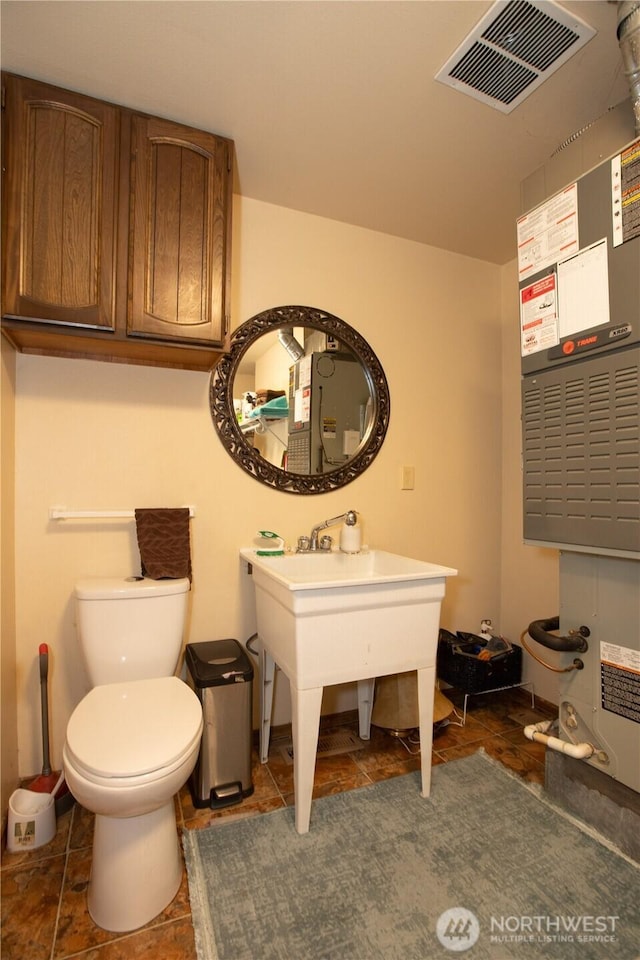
61 513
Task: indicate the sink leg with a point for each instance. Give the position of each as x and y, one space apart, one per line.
267 675
426 692
305 723
365 706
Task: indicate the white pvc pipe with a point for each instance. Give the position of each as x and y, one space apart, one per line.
537 732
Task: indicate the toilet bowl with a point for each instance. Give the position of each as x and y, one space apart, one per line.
130 747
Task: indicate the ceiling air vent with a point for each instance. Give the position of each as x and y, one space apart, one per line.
514 48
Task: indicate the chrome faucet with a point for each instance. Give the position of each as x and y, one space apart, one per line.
313 542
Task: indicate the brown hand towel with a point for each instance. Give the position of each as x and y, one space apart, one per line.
163 540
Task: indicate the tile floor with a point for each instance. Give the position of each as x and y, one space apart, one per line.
44 914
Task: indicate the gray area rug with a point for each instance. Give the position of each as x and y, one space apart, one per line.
485 867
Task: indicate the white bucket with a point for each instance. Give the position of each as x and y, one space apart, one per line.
32 820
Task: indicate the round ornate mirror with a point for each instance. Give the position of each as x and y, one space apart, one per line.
301 401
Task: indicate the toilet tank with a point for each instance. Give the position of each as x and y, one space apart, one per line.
130 628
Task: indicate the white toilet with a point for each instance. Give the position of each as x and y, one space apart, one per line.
132 743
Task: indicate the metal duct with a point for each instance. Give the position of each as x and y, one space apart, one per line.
629 40
291 345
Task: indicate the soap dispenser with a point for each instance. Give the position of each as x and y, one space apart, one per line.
350 534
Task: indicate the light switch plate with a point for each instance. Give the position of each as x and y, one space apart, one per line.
408 481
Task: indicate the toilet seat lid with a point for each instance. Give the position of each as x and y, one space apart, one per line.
133 728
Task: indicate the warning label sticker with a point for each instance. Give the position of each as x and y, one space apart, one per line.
625 194
620 680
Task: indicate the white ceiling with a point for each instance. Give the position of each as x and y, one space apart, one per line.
332 105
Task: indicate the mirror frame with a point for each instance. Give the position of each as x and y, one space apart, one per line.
226 424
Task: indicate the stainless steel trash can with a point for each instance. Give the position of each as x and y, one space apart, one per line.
221 675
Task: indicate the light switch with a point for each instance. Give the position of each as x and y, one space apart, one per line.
408 478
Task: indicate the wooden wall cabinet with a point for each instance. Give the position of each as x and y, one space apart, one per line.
116 231
60 200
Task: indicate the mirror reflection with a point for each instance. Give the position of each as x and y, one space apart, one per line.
300 401
303 400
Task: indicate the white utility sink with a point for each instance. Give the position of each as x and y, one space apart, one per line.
323 570
329 618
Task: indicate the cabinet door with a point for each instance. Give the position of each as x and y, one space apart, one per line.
61 201
178 245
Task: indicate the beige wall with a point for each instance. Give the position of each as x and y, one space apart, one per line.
9 753
96 435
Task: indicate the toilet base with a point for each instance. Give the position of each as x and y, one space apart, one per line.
136 869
